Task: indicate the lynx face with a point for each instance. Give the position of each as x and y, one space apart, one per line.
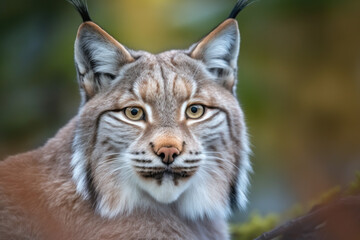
161 130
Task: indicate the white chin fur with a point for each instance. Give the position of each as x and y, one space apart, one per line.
167 192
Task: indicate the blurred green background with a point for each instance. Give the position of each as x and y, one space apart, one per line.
299 80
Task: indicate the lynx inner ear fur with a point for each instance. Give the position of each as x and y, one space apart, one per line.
98 58
219 51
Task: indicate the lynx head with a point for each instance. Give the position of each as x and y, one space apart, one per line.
160 131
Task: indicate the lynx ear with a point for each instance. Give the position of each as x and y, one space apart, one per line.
219 51
98 58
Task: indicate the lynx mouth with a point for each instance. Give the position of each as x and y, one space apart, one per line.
174 173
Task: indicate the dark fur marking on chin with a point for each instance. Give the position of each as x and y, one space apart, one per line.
149 174
182 175
158 175
184 168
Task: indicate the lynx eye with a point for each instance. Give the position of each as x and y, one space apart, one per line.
195 111
134 113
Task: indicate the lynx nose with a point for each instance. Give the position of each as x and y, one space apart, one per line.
168 154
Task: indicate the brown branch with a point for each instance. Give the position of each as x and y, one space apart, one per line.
313 221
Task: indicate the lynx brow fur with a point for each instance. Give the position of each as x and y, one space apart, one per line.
158 150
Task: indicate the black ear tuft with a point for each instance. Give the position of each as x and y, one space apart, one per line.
240 5
81 7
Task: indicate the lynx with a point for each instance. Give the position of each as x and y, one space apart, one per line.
158 149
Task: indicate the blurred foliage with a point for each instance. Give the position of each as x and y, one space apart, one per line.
354 188
258 224
254 227
326 197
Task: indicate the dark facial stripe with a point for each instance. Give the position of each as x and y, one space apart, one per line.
114 117
212 148
208 119
111 124
222 138
174 84
117 142
112 145
233 194
108 140
91 188
93 194
214 127
137 153
212 140
124 136
112 148
142 160
228 122
212 136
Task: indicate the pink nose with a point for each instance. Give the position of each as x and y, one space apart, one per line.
168 154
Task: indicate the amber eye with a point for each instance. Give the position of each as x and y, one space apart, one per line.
134 113
195 111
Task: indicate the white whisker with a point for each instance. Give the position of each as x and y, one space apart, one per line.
223 160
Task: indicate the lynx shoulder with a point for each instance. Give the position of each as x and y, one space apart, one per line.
158 149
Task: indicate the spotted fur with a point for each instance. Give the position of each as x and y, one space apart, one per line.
102 177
